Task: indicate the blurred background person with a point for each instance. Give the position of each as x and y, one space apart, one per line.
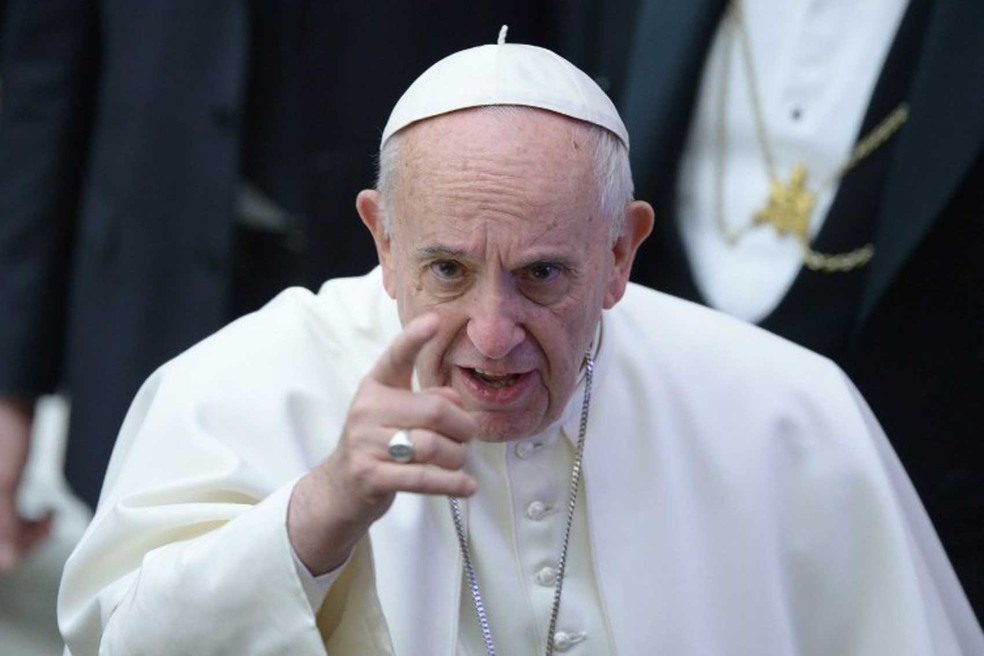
816 168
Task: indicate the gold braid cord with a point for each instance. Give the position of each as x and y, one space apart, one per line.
789 206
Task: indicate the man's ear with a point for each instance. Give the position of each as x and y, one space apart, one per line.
369 204
638 225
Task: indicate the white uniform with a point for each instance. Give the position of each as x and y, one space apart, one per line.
739 498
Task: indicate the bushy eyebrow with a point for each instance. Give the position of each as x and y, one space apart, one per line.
443 252
440 252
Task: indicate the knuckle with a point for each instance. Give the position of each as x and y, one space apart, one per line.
362 405
363 470
457 456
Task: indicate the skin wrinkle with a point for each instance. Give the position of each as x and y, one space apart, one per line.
491 181
489 190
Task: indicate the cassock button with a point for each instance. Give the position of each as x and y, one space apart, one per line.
546 576
536 511
524 449
563 640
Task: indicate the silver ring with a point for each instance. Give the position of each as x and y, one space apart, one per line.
400 447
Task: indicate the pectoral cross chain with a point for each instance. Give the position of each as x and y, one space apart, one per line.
789 206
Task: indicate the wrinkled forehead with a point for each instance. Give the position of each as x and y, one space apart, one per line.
474 146
507 166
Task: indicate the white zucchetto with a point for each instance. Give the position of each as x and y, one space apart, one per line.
505 74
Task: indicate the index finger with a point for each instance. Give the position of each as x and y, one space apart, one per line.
395 366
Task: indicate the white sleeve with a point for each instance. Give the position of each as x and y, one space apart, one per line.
188 551
233 589
316 587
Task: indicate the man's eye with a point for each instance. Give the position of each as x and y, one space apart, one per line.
544 272
446 270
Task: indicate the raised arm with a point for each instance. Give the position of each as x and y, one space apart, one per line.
190 547
334 505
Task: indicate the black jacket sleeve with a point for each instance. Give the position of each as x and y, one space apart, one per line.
48 73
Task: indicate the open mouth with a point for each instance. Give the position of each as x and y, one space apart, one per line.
493 380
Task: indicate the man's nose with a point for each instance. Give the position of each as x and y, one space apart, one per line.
494 327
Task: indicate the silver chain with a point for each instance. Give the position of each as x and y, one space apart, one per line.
476 594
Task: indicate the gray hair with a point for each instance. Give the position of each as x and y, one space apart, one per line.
613 174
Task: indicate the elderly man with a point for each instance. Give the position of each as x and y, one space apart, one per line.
624 472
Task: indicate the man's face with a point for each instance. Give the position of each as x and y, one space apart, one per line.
496 229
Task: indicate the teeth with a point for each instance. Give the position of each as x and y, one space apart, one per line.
495 380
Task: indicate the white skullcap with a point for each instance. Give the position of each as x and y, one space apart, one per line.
505 74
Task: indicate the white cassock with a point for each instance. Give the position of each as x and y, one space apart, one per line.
738 498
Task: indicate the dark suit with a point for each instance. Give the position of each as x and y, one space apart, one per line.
123 136
908 328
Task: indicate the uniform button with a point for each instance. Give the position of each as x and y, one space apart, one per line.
563 640
536 511
546 576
